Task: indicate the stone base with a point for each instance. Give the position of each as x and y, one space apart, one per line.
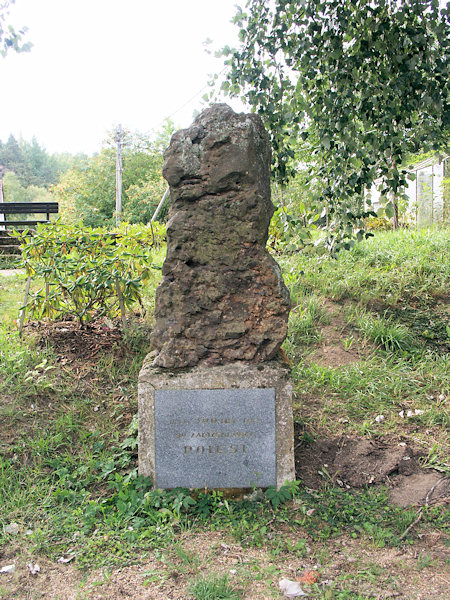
229 436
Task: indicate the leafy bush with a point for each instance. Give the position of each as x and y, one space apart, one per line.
88 272
288 233
378 224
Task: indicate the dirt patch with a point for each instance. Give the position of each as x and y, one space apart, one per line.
340 344
364 571
356 463
72 342
334 355
425 486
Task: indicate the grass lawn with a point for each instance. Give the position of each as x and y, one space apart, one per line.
368 344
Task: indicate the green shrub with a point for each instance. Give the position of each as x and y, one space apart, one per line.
88 272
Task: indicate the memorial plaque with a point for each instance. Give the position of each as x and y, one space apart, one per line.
218 438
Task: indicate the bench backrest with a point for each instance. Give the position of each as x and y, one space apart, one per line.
25 208
28 208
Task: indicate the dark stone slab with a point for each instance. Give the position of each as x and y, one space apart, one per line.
217 438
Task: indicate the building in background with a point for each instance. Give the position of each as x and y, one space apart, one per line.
428 194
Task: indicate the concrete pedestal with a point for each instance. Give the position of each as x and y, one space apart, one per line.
226 426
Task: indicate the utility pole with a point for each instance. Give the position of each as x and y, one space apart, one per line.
119 144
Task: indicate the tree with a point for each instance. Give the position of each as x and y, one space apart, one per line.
10 39
366 80
30 162
14 191
87 191
12 158
42 168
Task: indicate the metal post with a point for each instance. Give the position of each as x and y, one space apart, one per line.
25 302
158 208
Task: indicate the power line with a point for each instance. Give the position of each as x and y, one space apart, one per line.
193 97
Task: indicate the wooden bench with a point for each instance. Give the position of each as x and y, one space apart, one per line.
26 208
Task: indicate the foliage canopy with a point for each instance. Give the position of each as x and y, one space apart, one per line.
10 39
357 84
30 162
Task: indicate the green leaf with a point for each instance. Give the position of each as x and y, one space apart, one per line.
389 209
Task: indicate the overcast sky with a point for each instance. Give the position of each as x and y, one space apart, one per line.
97 63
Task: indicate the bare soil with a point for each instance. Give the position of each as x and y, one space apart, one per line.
357 463
331 351
373 573
74 343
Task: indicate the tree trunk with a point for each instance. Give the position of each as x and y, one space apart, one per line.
395 217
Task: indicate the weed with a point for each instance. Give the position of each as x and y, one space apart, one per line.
137 336
366 513
282 495
188 557
22 365
214 588
425 561
435 459
348 343
153 577
383 332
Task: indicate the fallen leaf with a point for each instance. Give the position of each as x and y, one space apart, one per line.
290 589
309 577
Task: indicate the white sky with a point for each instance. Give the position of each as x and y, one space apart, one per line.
97 63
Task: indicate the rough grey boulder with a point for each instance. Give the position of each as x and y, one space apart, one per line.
222 297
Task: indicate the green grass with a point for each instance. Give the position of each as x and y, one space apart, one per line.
383 332
390 268
12 291
355 394
68 462
305 319
214 587
392 290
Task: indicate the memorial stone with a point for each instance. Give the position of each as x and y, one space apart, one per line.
214 403
222 297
